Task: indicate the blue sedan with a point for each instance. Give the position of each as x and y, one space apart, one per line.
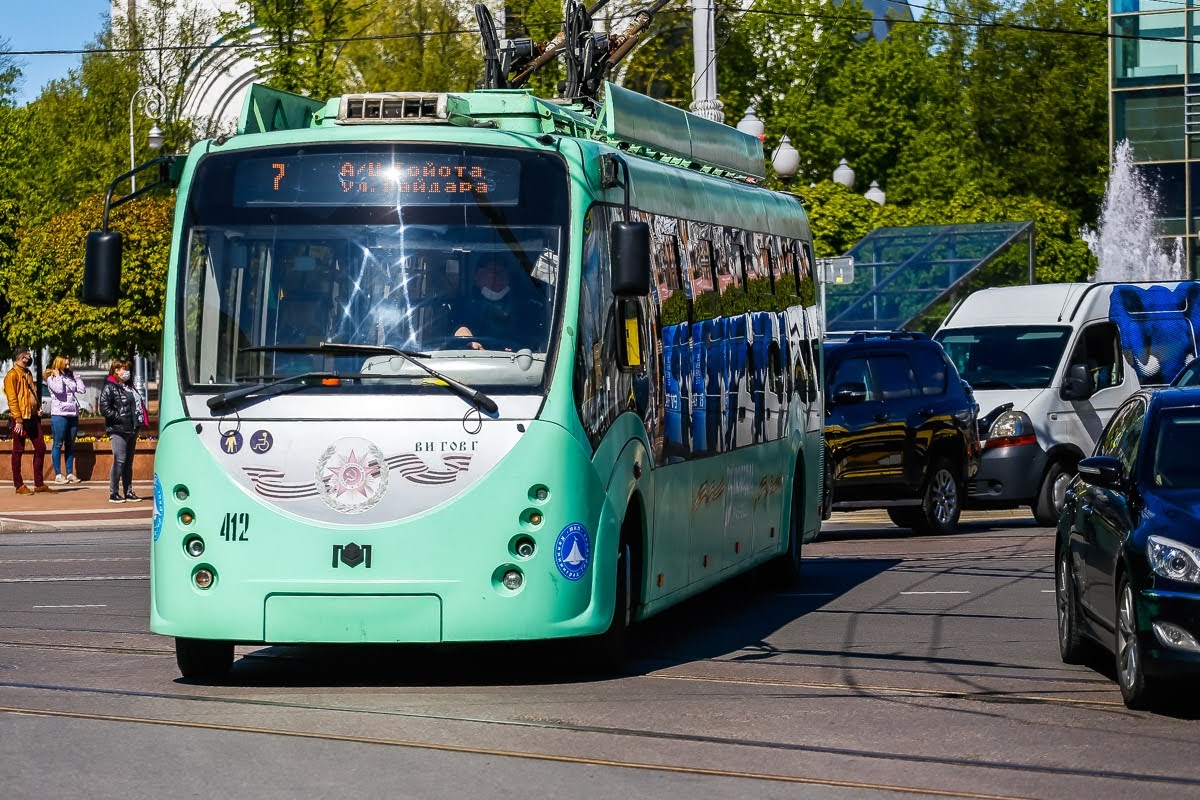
1127 560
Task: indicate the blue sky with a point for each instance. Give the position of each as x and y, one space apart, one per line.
48 25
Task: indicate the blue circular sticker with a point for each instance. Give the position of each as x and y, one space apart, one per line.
159 507
231 442
571 551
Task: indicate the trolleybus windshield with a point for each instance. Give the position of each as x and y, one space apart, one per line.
374 246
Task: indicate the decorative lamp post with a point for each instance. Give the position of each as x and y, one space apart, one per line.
844 174
785 160
875 194
752 125
153 103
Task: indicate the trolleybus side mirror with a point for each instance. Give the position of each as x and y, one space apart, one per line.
102 268
630 259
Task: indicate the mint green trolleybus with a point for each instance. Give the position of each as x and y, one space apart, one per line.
473 367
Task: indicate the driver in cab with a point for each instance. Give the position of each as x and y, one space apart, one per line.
508 309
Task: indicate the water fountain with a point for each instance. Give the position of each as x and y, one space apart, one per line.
1126 240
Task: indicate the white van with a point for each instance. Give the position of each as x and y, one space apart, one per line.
1049 365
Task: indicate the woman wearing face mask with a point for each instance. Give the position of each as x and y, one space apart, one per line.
64 417
124 413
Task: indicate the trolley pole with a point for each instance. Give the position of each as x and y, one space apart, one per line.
704 48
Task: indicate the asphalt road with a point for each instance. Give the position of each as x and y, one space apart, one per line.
902 667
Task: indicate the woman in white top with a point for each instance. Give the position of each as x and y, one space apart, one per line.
64 416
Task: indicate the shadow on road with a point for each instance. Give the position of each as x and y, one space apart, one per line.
738 615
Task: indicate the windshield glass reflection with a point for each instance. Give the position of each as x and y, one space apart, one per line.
478 299
1006 357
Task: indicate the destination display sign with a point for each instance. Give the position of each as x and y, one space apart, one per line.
376 179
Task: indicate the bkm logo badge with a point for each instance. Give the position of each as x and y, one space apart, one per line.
352 555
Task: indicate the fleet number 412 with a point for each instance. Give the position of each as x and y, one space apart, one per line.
235 526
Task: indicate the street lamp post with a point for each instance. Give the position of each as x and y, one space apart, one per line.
153 103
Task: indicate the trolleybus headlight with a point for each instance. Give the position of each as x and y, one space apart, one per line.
523 547
194 546
203 578
539 494
181 493
531 518
186 517
513 579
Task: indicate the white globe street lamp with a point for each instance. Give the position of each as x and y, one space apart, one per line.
844 174
752 125
875 194
785 160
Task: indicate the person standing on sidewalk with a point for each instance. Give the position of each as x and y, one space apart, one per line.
64 417
25 413
124 413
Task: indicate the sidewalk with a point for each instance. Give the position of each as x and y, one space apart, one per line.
74 506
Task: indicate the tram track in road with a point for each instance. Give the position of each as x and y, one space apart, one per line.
514 754
1047 770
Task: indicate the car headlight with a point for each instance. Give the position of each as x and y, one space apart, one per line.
1011 423
1172 559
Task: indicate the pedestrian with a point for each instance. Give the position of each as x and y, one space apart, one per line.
124 412
64 417
25 413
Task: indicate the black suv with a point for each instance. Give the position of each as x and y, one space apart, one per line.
900 429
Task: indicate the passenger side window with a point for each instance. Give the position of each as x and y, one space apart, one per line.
1099 349
854 370
931 369
893 376
707 303
1121 438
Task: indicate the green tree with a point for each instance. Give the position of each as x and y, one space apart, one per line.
42 281
307 39
415 45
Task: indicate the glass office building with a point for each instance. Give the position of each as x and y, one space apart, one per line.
1154 88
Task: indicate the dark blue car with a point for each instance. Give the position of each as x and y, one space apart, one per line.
1127 563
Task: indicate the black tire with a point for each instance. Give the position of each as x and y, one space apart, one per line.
827 487
905 517
203 659
1049 503
605 654
941 501
1071 644
1137 690
787 568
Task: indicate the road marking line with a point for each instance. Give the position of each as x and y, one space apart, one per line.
491 751
935 593
91 605
1048 591
78 578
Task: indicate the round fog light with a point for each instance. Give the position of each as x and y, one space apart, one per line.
194 547
513 579
203 578
525 548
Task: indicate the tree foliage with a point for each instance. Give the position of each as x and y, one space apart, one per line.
42 281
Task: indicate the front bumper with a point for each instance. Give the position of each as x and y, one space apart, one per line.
1178 608
1008 476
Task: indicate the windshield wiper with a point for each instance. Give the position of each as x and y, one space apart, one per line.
225 398
471 395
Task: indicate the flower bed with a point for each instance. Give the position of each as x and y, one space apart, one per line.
93 460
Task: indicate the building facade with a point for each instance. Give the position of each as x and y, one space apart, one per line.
1154 93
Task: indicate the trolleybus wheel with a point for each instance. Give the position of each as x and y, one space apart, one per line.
203 659
605 654
787 567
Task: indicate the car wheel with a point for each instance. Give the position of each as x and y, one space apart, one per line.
203 659
941 504
1053 494
1136 688
1070 639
